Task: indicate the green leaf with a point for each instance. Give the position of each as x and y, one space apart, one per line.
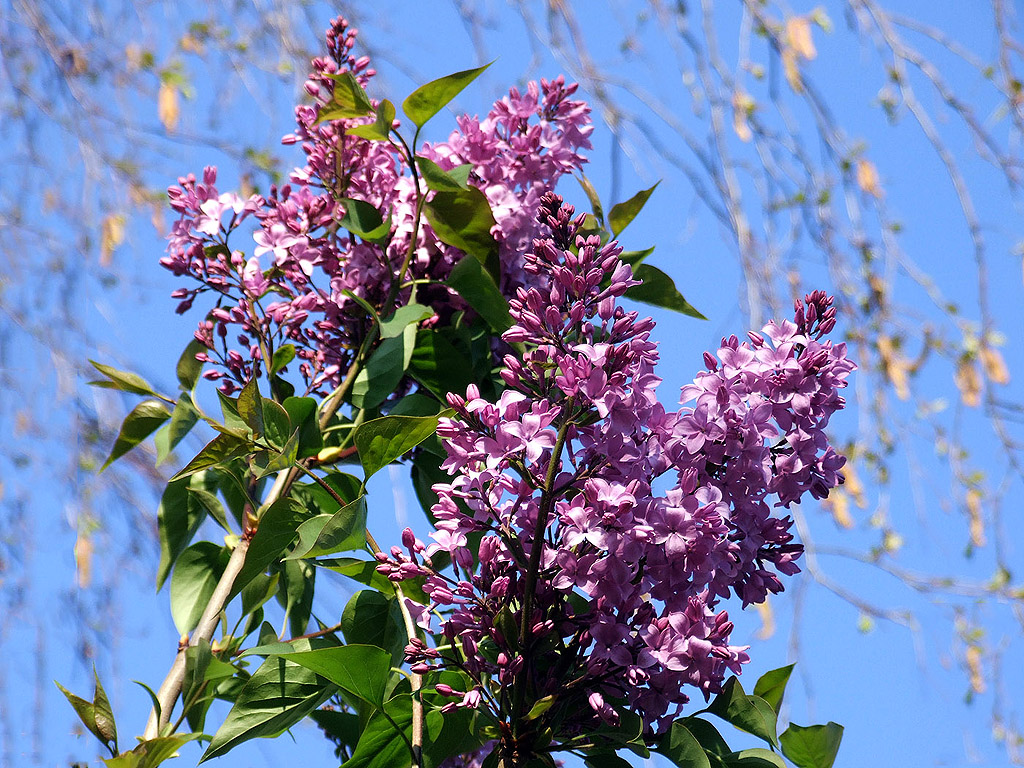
438 365
349 100
380 128
461 174
364 220
813 746
258 591
754 758
681 747
131 759
365 572
197 659
217 451
478 288
277 423
84 709
103 713
177 519
140 423
229 408
194 579
437 179
183 418
402 318
318 501
201 669
367 307
302 415
250 407
605 759
464 219
298 581
278 461
372 618
344 531
771 686
748 713
280 388
277 696
359 670
416 404
152 697
150 754
122 380
592 196
427 100
340 727
384 742
591 226
623 213
189 369
707 736
96 715
211 504
634 258
382 441
658 290
277 527
384 370
282 356
540 707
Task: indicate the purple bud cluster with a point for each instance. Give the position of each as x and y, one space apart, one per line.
307 276
552 507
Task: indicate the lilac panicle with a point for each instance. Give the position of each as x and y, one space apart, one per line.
300 280
625 610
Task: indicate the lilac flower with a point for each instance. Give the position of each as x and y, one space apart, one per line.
582 563
304 258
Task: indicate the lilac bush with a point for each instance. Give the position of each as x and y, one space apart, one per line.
586 538
572 576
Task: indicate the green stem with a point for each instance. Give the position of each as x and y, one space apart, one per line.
547 500
416 681
421 200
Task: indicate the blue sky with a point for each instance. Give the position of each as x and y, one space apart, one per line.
899 693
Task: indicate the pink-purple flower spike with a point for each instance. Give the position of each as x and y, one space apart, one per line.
298 284
625 604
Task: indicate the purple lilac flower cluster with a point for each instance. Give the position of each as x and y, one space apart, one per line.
306 276
586 583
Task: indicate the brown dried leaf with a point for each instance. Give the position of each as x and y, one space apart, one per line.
974 670
977 524
789 66
994 365
742 106
83 559
111 236
167 106
867 178
798 34
838 503
191 44
764 610
968 381
895 366
892 542
853 486
156 218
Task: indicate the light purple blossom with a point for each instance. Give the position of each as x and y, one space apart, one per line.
630 580
299 284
